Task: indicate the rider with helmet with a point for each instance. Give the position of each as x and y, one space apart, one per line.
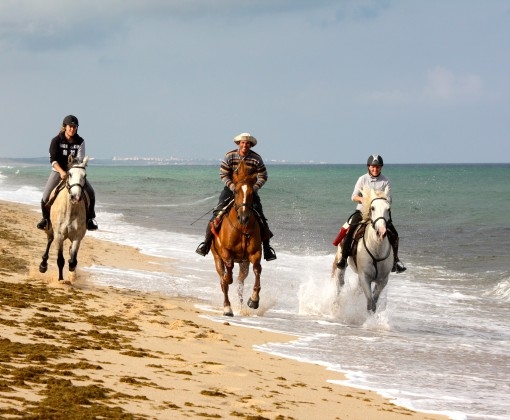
229 164
375 180
66 143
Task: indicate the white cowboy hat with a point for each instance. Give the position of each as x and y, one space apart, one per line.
245 137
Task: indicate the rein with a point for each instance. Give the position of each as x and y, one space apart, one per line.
372 223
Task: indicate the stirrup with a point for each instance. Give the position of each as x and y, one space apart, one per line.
91 224
202 249
43 224
269 254
342 263
398 267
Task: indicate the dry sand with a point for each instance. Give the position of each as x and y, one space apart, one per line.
80 351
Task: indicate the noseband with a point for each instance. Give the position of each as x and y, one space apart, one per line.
373 222
70 186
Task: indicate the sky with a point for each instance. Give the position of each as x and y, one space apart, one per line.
422 81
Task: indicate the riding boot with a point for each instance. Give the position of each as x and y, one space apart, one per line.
91 213
91 224
269 254
265 236
204 247
346 250
398 267
353 222
45 221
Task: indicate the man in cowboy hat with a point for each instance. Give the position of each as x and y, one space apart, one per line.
255 164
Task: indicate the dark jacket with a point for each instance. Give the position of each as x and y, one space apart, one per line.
61 148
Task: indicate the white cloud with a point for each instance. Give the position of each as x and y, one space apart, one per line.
444 86
441 86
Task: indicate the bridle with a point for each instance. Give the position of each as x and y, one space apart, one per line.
71 186
372 223
237 207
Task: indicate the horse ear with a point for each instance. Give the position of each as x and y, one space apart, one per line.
70 160
85 161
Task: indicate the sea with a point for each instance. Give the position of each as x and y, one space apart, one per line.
439 341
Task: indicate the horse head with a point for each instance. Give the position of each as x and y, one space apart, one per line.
243 193
376 210
76 178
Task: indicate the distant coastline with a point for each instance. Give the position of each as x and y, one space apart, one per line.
174 161
147 161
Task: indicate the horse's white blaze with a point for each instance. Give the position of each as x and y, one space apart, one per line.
244 188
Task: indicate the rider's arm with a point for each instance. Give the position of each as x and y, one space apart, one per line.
58 168
226 171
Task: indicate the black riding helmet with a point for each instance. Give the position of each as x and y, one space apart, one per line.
375 160
70 120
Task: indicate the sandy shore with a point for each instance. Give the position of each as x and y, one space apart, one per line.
80 351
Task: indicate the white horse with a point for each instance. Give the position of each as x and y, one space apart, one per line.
374 257
68 218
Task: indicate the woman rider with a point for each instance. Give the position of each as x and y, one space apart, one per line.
375 180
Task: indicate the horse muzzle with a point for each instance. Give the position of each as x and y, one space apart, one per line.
75 198
381 233
243 218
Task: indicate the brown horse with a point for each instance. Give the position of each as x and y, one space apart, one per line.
238 241
68 219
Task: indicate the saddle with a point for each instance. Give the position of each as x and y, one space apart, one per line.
61 185
265 232
358 234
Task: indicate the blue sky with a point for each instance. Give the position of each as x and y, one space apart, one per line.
317 80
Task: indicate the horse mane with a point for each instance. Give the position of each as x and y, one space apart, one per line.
368 195
242 174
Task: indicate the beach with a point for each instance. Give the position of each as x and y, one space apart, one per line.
82 350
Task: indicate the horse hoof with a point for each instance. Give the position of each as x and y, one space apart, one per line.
253 304
229 313
43 269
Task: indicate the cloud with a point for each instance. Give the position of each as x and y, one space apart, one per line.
55 24
444 86
441 86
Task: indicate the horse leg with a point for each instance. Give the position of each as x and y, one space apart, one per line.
73 253
226 280
378 288
253 301
243 273
227 309
43 267
60 256
60 263
340 277
367 290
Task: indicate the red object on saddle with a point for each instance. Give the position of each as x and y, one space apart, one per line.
340 236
